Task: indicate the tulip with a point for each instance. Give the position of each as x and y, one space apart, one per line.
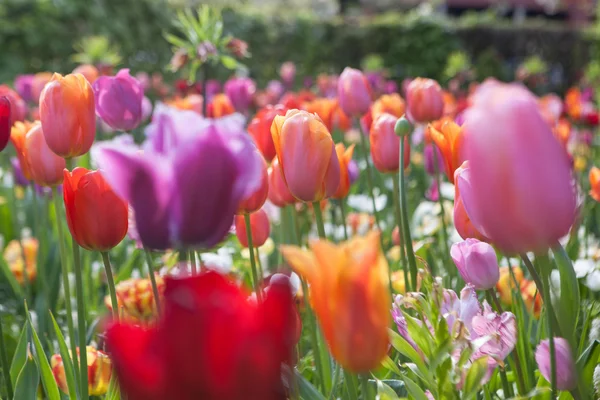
240 92
344 156
260 129
24 86
97 218
462 222
531 297
385 145
5 122
90 72
99 371
349 291
324 108
523 196
353 171
13 255
230 348
279 194
188 182
67 112
18 176
433 164
119 100
287 72
450 141
220 106
339 119
307 155
192 102
18 107
18 133
477 263
45 166
39 82
255 200
146 108
425 100
136 299
506 284
566 370
390 104
354 92
259 225
594 177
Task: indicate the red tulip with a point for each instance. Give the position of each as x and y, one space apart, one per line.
211 343
260 129
259 225
256 199
5 124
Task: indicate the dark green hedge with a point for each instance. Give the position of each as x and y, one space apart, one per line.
39 35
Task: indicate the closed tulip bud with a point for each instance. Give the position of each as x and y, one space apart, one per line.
136 299
256 200
523 197
99 368
344 156
260 129
462 222
349 290
385 145
390 104
477 263
119 100
96 216
13 255
68 115
279 194
88 71
354 92
240 91
403 127
259 225
566 370
5 122
45 166
595 183
425 100
307 155
449 140
220 106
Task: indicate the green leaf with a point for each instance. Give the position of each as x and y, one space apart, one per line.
229 62
14 285
384 392
569 304
66 358
404 348
391 365
474 377
306 389
175 40
587 362
20 356
27 381
43 365
113 393
414 390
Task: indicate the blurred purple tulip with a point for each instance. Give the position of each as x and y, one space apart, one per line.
429 162
287 72
390 87
213 87
240 91
432 193
119 100
186 184
18 175
275 89
377 81
308 82
146 108
353 171
23 86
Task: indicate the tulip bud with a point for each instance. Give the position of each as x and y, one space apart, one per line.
566 377
259 225
119 100
353 171
260 129
389 103
99 371
136 299
385 145
220 106
45 166
18 107
68 115
240 91
403 127
477 263
354 92
5 122
425 100
287 72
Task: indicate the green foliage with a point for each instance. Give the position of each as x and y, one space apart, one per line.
96 50
458 62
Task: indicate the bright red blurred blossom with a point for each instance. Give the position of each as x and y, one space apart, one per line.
256 200
227 348
425 100
385 145
260 129
279 194
259 225
96 216
45 166
5 122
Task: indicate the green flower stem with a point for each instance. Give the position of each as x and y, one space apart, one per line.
255 280
5 364
343 213
406 237
111 285
192 257
365 152
65 278
81 321
398 214
319 219
261 271
152 279
451 271
351 385
364 382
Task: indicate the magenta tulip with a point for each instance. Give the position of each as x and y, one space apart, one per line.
119 100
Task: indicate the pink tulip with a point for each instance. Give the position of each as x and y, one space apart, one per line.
566 378
522 195
385 145
477 263
259 226
462 222
425 100
354 92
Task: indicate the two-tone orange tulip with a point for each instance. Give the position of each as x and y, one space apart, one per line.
344 156
18 133
68 115
220 106
595 183
388 103
45 166
306 155
324 108
449 140
349 290
96 216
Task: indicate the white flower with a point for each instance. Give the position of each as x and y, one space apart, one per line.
364 203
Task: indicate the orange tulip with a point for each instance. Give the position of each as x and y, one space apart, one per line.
68 115
192 102
44 165
324 108
136 299
344 156
449 140
450 104
99 368
220 106
88 71
388 103
506 284
339 119
13 255
562 130
531 297
349 291
260 129
97 218
18 133
595 183
307 155
573 104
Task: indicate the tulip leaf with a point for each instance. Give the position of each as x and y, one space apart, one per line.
27 381
384 392
20 356
229 62
48 381
569 304
413 389
474 376
391 365
66 358
587 362
306 389
406 349
14 285
113 393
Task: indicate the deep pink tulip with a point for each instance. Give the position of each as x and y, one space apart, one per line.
259 225
5 123
119 100
354 92
240 91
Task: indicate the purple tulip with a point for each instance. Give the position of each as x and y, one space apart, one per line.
275 90
377 81
566 379
460 311
353 171
287 72
213 87
432 193
240 91
119 100
23 85
18 175
390 87
186 184
430 166
146 108
477 263
499 330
